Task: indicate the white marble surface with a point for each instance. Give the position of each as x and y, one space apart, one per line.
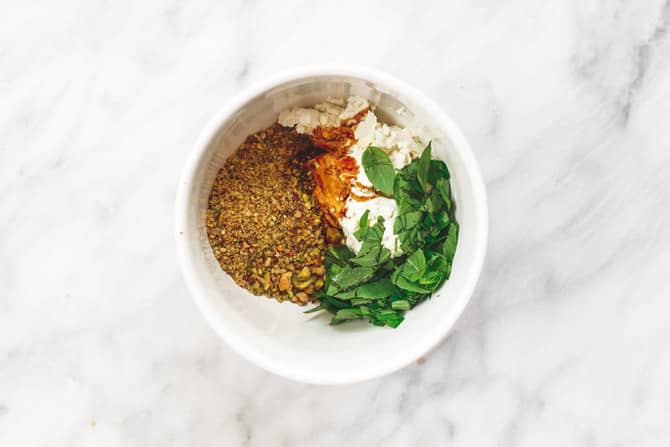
567 106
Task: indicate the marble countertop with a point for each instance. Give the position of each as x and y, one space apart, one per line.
567 107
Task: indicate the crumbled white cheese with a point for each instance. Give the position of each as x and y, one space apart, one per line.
364 134
329 113
305 120
336 101
329 108
355 104
401 144
379 206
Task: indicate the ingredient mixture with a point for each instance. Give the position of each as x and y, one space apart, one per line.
331 205
261 220
354 194
393 203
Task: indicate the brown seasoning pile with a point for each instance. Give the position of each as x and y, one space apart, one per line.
262 223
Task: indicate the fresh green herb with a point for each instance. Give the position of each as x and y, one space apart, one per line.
349 277
449 246
423 169
371 253
382 288
400 305
437 171
363 227
410 286
339 255
343 315
373 286
379 169
407 221
414 267
444 190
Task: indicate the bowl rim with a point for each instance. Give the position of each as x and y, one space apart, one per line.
195 158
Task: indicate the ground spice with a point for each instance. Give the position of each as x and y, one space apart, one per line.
262 223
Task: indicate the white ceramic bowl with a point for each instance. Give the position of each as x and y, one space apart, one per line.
279 337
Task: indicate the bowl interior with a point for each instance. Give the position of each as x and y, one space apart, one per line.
278 336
